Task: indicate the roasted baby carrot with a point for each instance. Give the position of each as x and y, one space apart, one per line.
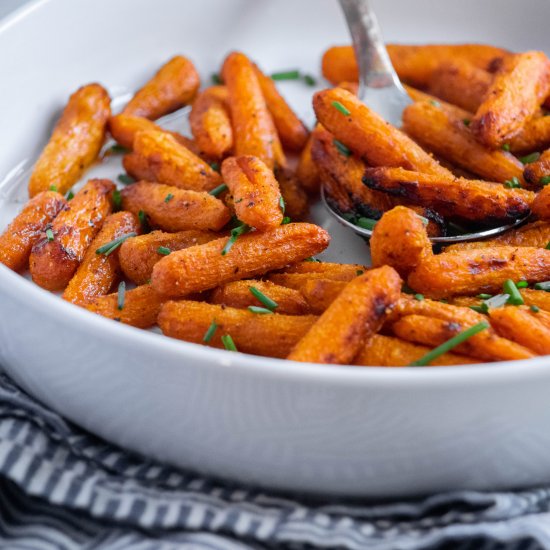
270 335
75 141
231 259
296 204
173 86
355 315
210 122
27 227
256 193
388 351
515 94
367 134
124 129
452 197
292 131
541 204
306 171
330 269
253 128
540 299
320 293
537 173
57 255
158 156
446 134
479 270
399 239
519 325
238 294
533 136
138 255
297 281
100 268
138 307
173 209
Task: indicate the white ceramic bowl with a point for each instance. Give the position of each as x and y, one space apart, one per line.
338 430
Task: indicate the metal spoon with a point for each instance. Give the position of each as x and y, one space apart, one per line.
381 89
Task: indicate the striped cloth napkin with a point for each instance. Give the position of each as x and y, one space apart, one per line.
63 488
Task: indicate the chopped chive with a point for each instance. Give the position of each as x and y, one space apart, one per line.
545 180
228 343
282 204
210 332
235 234
360 272
117 199
216 78
424 220
117 148
311 259
53 187
506 147
466 121
515 297
496 301
435 103
512 183
286 75
259 310
125 178
286 220
163 250
479 309
342 149
237 201
142 216
534 308
528 159
419 297
524 284
545 285
450 344
266 301
218 190
121 294
484 296
169 197
366 223
110 247
70 195
337 105
215 166
309 80
49 234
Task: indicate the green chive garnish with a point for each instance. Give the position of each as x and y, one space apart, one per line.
142 216
359 272
524 284
545 180
169 197
534 308
528 159
450 344
337 105
235 234
70 195
163 250
478 309
218 190
312 259
510 288
216 78
117 199
53 187
121 294
512 183
259 310
210 332
49 234
493 302
286 220
484 296
117 148
424 220
419 297
309 80
286 75
366 223
545 285
266 301
215 166
282 204
125 178
228 343
110 247
466 121
435 103
506 147
342 149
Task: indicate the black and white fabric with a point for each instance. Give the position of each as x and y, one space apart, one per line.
63 488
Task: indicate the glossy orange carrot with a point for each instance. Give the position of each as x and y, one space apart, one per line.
74 143
173 86
320 293
368 135
224 260
541 204
99 271
253 128
306 171
210 122
138 255
292 131
174 209
533 136
330 269
355 315
269 335
256 193
537 173
27 227
57 255
159 157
